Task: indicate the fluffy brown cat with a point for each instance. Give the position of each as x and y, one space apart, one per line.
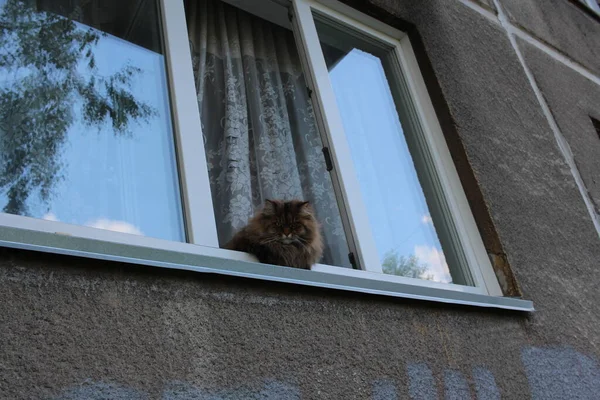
282 233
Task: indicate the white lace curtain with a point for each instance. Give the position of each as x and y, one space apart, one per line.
260 135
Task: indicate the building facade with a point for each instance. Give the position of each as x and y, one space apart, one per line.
515 86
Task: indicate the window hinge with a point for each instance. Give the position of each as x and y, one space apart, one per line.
290 14
328 163
309 92
352 260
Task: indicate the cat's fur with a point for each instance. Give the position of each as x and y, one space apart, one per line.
282 233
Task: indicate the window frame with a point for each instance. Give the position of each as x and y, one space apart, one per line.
593 5
200 227
201 251
434 142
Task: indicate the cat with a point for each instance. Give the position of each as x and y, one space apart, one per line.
282 233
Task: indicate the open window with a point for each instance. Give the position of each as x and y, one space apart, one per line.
181 117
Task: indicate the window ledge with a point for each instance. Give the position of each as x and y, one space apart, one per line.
186 257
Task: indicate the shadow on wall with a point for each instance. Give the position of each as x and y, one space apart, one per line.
559 373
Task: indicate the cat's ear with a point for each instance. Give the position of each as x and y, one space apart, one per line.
270 207
305 208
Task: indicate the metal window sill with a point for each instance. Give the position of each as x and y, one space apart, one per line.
57 243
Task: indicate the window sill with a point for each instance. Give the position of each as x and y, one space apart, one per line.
140 250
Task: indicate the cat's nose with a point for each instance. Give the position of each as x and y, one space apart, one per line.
286 231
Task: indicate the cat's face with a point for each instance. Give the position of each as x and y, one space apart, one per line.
288 222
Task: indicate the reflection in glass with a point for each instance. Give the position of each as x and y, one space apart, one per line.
404 232
260 134
85 130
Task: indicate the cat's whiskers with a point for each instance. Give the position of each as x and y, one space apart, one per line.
302 241
270 239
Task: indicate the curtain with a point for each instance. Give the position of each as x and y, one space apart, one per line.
260 134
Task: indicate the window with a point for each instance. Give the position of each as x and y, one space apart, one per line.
86 128
152 131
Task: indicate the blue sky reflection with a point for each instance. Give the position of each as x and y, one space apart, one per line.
126 182
390 188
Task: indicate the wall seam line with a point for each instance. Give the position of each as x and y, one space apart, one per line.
550 50
556 54
489 14
561 141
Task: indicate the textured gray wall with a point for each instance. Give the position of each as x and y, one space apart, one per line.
575 34
574 102
78 329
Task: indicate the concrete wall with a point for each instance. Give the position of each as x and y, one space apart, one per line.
516 110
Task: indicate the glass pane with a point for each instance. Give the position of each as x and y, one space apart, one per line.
403 228
85 125
260 133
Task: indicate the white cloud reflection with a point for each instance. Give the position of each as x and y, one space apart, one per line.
426 219
435 261
114 225
50 217
103 223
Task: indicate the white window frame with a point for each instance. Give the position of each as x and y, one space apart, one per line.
468 235
593 4
201 252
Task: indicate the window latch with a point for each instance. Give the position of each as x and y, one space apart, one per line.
327 155
309 92
352 260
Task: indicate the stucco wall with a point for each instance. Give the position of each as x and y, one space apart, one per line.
575 34
72 328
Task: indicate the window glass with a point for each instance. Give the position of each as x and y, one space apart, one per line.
403 227
260 134
85 126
